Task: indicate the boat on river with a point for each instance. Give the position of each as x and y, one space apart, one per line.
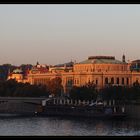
99 111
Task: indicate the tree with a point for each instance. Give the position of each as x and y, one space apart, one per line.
114 93
86 92
55 87
121 92
14 89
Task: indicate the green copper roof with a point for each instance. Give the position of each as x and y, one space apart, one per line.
17 71
101 60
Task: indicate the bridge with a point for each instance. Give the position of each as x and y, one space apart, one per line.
21 105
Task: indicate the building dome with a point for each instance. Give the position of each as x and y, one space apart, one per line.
101 60
17 71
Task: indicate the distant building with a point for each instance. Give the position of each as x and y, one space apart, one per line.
17 74
102 70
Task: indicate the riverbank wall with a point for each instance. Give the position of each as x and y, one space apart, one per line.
133 109
20 105
29 105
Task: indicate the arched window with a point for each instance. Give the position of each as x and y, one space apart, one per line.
112 80
127 81
77 81
122 81
106 80
117 81
96 81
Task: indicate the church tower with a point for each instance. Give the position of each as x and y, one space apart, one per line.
37 63
123 58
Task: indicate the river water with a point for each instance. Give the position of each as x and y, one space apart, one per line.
58 126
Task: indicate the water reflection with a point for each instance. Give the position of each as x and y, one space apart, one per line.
60 126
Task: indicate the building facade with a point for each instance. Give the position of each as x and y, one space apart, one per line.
101 70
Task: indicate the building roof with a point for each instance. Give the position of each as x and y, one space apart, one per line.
101 60
136 61
17 71
69 64
135 65
40 69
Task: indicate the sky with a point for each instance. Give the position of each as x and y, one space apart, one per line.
59 33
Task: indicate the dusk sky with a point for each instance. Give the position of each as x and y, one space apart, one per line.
53 34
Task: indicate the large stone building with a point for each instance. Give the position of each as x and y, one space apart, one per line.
102 70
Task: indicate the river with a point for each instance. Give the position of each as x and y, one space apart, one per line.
58 126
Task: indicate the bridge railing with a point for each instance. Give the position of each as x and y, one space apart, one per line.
69 102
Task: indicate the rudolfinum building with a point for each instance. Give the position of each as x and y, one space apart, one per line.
102 70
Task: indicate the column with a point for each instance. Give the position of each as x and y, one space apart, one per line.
79 102
54 101
105 103
110 102
113 102
123 109
67 101
60 101
114 109
64 101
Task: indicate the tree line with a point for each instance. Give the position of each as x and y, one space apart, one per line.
12 88
54 87
85 92
111 92
121 92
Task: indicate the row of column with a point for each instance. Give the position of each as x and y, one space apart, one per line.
79 102
71 102
110 103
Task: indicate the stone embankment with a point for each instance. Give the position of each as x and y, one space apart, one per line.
78 108
27 105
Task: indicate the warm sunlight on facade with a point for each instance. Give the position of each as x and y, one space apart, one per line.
102 70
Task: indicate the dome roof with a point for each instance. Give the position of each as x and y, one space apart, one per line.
101 59
17 71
